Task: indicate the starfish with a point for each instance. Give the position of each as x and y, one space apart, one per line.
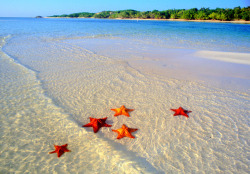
122 111
124 132
60 150
97 123
181 111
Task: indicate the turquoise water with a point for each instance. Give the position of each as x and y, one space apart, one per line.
56 73
171 34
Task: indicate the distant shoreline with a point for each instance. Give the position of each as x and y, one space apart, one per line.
181 20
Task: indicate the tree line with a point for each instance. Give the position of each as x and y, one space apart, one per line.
221 14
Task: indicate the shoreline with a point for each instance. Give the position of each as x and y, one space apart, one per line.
180 20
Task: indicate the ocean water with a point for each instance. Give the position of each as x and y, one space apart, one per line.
56 73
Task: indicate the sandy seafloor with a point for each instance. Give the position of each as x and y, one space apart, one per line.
45 100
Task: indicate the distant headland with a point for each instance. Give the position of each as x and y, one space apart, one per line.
218 14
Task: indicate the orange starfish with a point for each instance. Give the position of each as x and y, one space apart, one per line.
97 123
60 150
181 111
124 132
122 111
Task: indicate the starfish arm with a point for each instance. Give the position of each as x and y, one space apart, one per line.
173 110
116 110
107 125
96 129
132 130
129 135
120 136
90 118
126 114
64 147
119 133
175 114
184 113
67 150
103 119
87 125
189 111
129 110
59 154
52 152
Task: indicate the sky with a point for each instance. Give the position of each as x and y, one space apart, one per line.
32 8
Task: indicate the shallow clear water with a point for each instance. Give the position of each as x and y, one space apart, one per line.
171 34
55 73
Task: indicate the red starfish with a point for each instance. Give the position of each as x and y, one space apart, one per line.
60 150
97 123
122 111
180 111
124 132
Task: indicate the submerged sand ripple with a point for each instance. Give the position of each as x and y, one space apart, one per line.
214 139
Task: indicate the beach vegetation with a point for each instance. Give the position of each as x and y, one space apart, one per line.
221 14
245 15
76 15
213 16
237 13
201 15
174 16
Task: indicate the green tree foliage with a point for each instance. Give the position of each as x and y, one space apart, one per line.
237 13
245 13
201 15
213 16
188 14
76 15
103 14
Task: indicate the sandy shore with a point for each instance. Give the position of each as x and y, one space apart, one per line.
213 21
216 21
